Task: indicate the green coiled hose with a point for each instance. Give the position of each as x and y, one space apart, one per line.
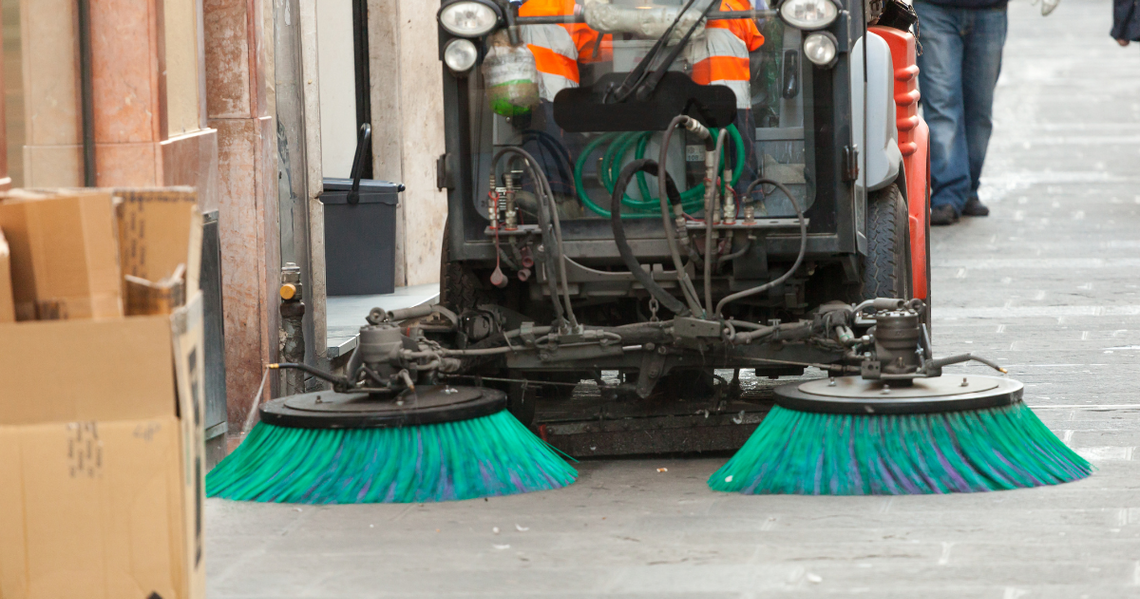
691 199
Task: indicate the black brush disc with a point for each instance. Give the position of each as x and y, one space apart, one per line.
429 404
856 395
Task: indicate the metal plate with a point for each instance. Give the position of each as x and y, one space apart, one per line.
426 405
855 395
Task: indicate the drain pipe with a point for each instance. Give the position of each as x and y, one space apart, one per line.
86 92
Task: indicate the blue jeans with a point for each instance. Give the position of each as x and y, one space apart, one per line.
958 69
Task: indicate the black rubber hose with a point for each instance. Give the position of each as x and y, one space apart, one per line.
321 374
799 258
646 279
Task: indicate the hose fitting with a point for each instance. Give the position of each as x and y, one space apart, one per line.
694 126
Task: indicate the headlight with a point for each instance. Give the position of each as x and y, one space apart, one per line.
821 48
468 19
809 14
460 55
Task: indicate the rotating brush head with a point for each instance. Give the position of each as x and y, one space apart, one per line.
850 436
433 443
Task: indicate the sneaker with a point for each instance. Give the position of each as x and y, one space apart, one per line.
943 215
975 207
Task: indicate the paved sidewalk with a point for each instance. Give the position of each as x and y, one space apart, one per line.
1048 285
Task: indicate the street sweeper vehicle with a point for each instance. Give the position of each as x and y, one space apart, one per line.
641 194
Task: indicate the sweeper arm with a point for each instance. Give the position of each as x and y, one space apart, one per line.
394 356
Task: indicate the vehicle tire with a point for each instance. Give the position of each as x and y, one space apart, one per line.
887 270
459 287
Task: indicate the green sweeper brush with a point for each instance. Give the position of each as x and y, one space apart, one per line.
900 427
379 437
853 436
426 443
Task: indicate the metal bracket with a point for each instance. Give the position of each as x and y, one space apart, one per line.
526 333
651 371
741 225
443 177
696 328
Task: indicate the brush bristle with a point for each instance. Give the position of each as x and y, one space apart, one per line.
482 457
955 452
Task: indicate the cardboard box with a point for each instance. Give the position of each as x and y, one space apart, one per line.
65 258
102 455
101 509
160 229
15 227
188 328
143 297
7 302
102 458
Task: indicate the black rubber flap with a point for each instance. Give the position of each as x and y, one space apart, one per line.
855 395
433 404
585 109
371 191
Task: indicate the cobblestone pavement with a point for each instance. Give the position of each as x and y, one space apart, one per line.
1047 286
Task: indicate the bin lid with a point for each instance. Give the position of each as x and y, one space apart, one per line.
372 191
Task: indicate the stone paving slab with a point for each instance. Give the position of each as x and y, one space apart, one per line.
1047 285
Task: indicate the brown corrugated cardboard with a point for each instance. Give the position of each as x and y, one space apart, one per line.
101 441
169 215
70 240
65 371
103 466
187 326
15 227
144 297
92 509
7 302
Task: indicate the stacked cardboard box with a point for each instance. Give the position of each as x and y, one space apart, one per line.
7 306
101 448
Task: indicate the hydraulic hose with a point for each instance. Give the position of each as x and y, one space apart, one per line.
737 253
698 191
691 198
799 258
645 278
551 230
713 169
551 144
683 280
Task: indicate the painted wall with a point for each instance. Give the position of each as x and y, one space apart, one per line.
407 126
13 91
183 113
337 87
52 156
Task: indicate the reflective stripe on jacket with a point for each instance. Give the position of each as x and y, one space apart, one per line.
555 56
720 55
556 48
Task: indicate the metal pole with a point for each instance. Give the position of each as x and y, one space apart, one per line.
86 92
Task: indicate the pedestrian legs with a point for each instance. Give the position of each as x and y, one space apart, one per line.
940 78
981 64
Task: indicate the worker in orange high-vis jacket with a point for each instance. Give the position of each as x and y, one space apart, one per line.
719 56
558 50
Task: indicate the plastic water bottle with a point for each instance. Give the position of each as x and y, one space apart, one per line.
510 76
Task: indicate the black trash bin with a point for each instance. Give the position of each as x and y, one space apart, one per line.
360 231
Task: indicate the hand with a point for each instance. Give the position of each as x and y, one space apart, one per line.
1122 43
1048 6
